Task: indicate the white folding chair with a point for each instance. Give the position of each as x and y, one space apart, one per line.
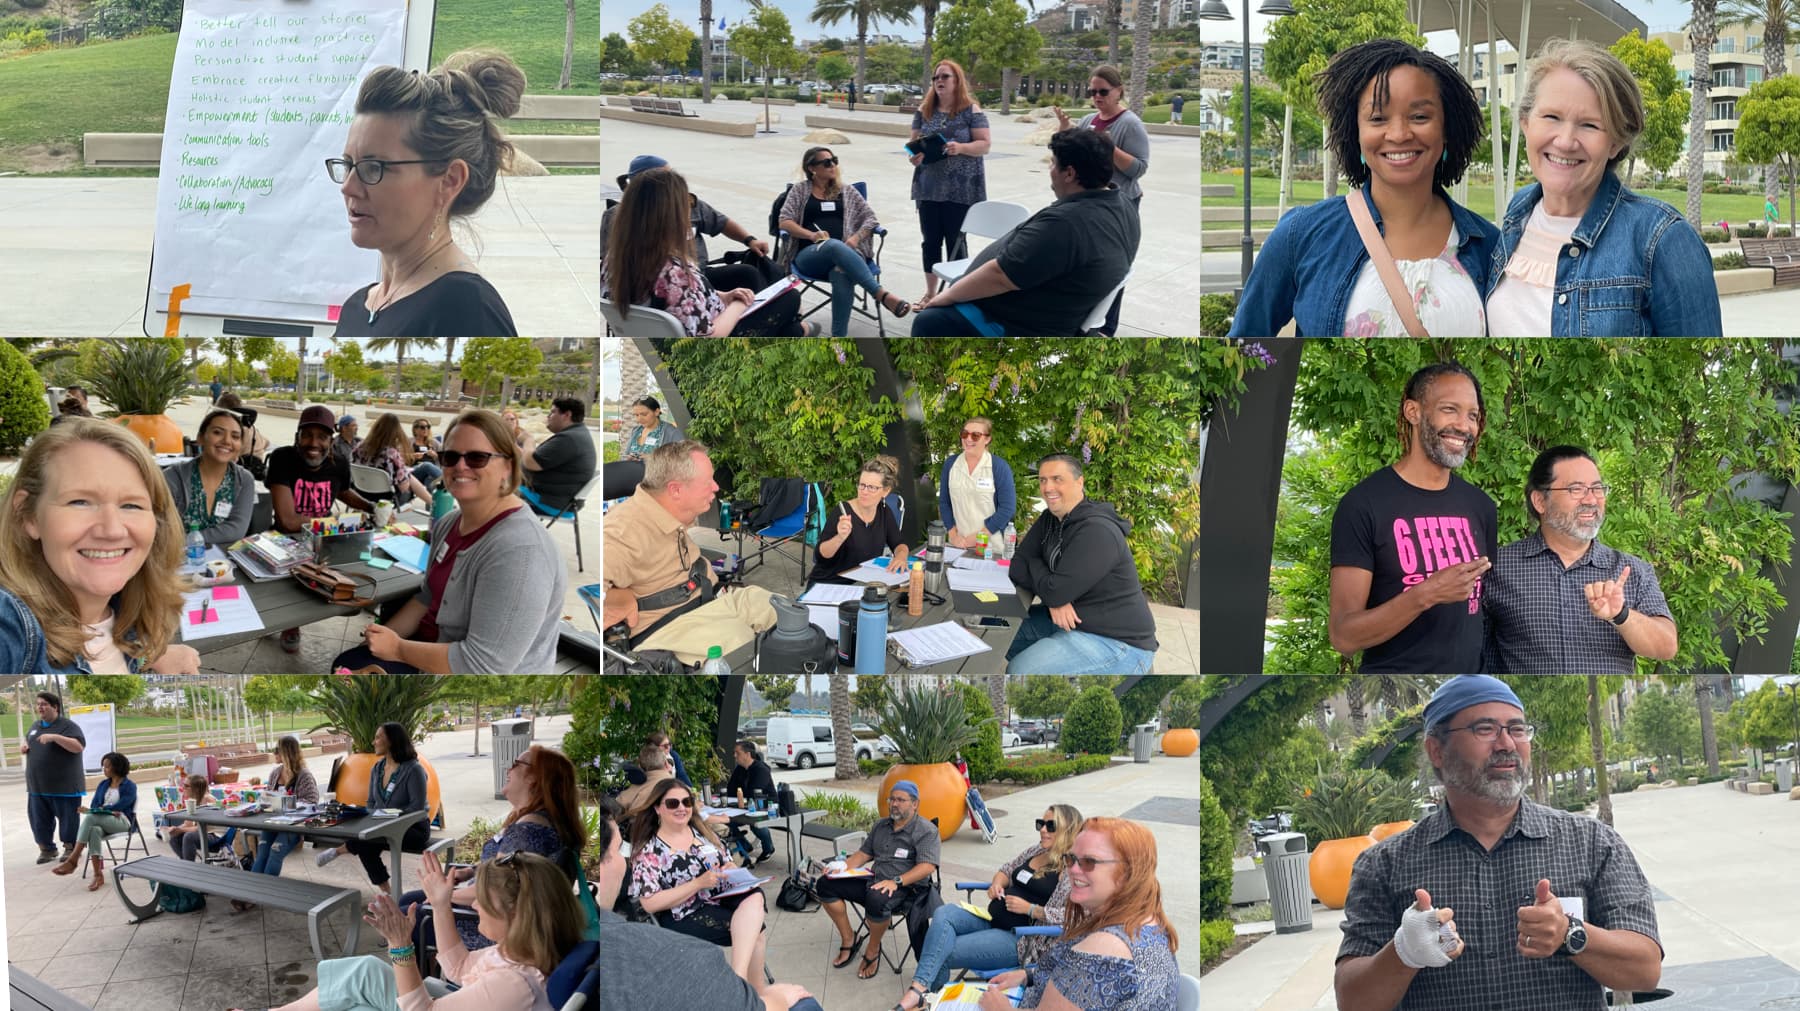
1097 318
640 321
990 218
371 482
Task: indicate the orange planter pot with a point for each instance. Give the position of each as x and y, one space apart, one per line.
157 427
942 794
353 782
1328 870
1180 742
1386 829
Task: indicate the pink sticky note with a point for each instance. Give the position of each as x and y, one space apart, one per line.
332 311
202 617
225 593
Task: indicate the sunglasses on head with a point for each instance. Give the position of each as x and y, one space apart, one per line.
1089 863
1046 824
476 460
677 803
823 163
1101 92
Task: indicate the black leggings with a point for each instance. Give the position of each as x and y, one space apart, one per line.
942 222
374 852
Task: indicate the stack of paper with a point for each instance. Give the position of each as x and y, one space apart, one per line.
222 610
994 580
830 593
737 879
876 571
929 644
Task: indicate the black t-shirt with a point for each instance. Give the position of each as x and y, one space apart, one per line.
818 218
568 461
314 490
1403 534
1064 259
866 541
458 304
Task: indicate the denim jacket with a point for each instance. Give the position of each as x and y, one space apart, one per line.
1633 268
1309 265
126 807
23 648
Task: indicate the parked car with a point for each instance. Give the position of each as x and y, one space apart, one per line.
1010 738
758 727
1035 731
806 741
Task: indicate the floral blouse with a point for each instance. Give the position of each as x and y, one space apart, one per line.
957 179
519 837
1443 294
1145 982
683 292
660 867
390 461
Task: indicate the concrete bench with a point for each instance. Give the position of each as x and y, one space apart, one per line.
287 894
726 128
661 106
850 124
1759 789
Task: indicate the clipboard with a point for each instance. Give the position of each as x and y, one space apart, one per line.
930 145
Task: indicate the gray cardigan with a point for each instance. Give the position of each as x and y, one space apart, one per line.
242 508
504 600
409 788
1128 134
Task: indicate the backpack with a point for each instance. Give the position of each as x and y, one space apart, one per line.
174 899
796 895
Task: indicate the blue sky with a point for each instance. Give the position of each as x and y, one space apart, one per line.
1662 15
615 18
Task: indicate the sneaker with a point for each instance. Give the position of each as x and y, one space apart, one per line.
290 640
45 856
325 857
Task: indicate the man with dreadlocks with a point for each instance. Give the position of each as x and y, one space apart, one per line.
1409 543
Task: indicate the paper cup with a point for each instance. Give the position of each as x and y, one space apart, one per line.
384 512
189 804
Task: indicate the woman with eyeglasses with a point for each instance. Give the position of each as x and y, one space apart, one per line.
863 528
424 149
977 486
833 231
1032 889
1117 949
947 183
493 592
1131 145
676 865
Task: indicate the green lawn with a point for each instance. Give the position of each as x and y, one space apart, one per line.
1734 207
49 99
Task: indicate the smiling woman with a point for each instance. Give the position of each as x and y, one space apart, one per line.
90 546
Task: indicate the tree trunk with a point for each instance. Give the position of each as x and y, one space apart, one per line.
1006 90
300 377
1597 742
862 55
1319 718
1330 175
1115 10
1353 695
843 745
1140 57
931 7
1703 29
1287 156
1709 738
449 353
562 83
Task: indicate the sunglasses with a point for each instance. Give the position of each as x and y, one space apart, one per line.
1089 863
943 77
1101 92
476 460
519 763
822 163
677 803
971 434
1046 824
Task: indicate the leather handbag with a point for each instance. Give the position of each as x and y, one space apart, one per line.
334 586
1384 264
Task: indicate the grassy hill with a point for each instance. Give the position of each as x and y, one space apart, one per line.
49 99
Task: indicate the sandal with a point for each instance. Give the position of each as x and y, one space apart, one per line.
869 962
846 954
896 305
912 988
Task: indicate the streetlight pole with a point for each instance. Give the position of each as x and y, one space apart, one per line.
1214 10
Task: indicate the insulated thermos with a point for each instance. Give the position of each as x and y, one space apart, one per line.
934 558
846 639
871 632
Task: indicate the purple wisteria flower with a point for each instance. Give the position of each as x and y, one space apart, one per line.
1258 352
1087 453
994 384
845 361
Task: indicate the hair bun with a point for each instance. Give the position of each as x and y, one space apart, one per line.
490 81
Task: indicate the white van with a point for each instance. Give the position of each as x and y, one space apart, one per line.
805 741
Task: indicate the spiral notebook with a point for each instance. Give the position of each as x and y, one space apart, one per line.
939 643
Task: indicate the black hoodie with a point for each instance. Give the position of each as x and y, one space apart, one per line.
1082 559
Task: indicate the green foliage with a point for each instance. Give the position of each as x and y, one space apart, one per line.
96 689
874 767
1769 127
1399 762
1685 420
776 688
1729 261
871 695
136 376
986 38
358 705
1300 44
621 710
615 54
1093 723
1216 844
119 18
984 753
659 39
1765 718
1661 724
1268 109
23 410
582 743
1347 803
1039 697
1031 772
767 39
1666 102
930 726
1254 754
1215 937
842 810
1216 310
834 69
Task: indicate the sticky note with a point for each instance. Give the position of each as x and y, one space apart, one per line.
225 593
202 617
332 312
365 556
986 596
380 563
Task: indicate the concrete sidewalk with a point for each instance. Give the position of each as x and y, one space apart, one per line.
1163 795
1727 928
81 943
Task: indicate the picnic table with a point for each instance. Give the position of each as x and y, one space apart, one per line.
365 828
29 993
284 603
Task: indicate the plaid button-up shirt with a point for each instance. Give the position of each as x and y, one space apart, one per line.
1538 620
1582 857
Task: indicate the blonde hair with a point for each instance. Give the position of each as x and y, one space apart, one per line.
149 604
490 425
671 461
536 899
987 425
1621 101
1068 826
836 185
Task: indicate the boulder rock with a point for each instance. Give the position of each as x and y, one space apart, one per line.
525 165
825 136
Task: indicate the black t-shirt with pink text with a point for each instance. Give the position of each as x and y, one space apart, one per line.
314 490
1402 534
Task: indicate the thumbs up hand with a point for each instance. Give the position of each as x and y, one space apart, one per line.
1426 938
1542 925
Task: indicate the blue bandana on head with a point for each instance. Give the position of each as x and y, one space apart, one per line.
1463 691
908 786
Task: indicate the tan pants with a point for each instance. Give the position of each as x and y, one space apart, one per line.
731 620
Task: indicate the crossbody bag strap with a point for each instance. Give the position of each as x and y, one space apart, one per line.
1384 264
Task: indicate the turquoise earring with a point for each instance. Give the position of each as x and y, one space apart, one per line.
1363 158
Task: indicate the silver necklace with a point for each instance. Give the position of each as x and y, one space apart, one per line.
389 299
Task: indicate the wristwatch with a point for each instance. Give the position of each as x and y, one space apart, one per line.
1575 941
897 882
1624 612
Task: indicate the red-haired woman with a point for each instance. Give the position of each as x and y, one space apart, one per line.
945 188
1118 949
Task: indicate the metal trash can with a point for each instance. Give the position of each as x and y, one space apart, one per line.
1142 742
1290 895
1784 774
511 738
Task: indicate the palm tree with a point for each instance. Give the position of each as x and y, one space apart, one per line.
400 344
1140 65
195 345
1115 12
705 48
1779 19
996 693
1597 741
449 353
1703 29
1353 697
1709 738
843 744
830 12
931 9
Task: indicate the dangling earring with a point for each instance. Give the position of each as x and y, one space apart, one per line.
1444 156
1363 158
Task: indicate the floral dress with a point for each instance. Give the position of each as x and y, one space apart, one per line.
1443 294
683 292
660 867
956 179
519 837
1144 982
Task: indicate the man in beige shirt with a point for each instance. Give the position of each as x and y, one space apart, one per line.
655 763
654 570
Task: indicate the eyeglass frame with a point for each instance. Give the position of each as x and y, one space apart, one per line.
1602 487
1529 729
967 434
1087 864
1101 92
870 487
356 167
451 457
677 803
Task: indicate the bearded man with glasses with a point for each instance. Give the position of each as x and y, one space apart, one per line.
1553 907
1560 601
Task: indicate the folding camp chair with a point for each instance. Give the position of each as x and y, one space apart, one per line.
791 511
864 304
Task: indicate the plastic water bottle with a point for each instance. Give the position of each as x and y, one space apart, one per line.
715 661
989 548
1012 541
196 547
871 632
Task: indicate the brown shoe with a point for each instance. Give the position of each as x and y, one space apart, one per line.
70 862
99 867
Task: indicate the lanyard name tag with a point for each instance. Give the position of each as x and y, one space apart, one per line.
828 205
984 483
443 549
222 509
900 854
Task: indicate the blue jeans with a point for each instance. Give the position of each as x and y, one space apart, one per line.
53 815
846 268
272 850
427 472
964 319
958 939
1042 648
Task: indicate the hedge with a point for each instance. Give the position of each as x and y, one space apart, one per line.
984 755
1093 722
1215 937
1216 845
1032 775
